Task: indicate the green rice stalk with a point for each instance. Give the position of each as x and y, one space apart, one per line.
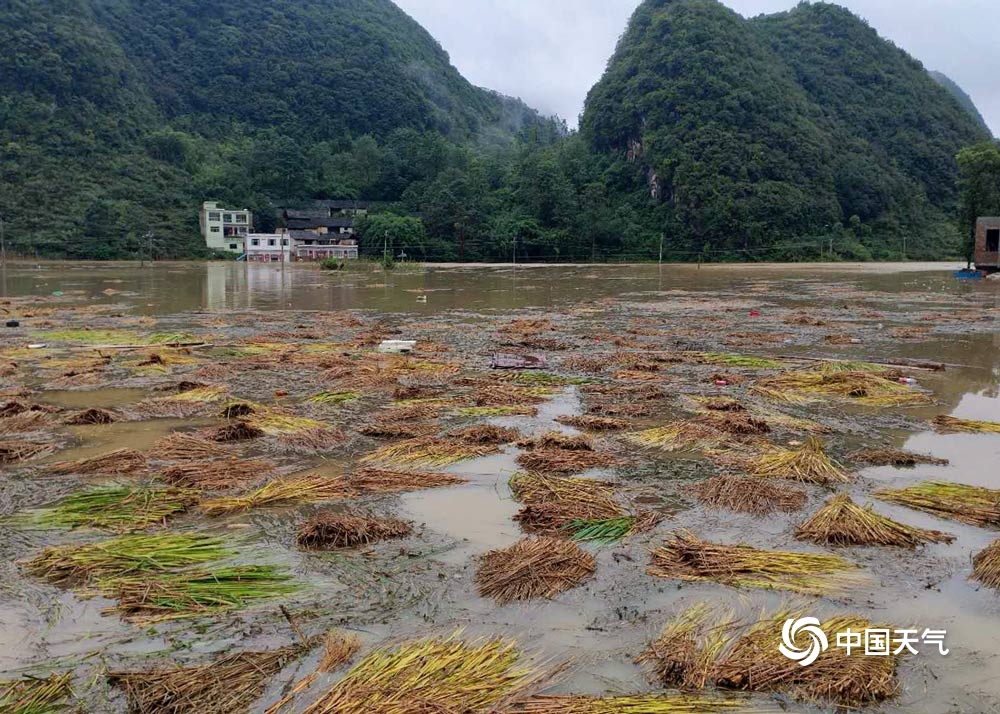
952 425
34 695
974 505
118 509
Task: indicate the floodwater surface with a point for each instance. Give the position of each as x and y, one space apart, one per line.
424 584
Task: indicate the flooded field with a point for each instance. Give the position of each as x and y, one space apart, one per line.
214 464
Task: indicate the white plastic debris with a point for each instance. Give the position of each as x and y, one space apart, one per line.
397 345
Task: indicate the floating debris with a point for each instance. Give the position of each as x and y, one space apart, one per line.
443 675
953 425
885 456
228 685
76 565
121 509
974 505
807 463
533 567
684 557
843 522
119 461
348 529
749 495
190 593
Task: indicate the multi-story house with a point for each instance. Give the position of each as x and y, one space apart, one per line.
223 228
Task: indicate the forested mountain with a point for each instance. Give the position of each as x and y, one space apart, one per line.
961 95
725 138
742 136
122 115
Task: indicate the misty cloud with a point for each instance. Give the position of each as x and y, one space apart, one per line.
550 53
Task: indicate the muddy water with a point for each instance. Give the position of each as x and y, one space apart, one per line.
426 585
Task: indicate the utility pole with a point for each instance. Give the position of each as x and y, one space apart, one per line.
385 250
662 235
3 244
904 246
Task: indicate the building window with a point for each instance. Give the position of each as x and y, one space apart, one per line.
270 242
241 218
214 216
284 241
214 229
232 246
992 240
254 241
228 218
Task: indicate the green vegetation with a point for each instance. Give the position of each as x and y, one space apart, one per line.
980 189
791 136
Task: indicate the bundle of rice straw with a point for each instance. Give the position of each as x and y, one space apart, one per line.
952 425
91 416
749 495
842 522
986 565
429 451
117 508
436 675
684 435
181 446
119 461
872 388
974 505
235 431
558 440
533 567
218 473
684 557
564 461
593 423
485 434
630 704
373 480
281 491
34 695
348 529
553 503
338 649
697 652
808 463
885 456
228 685
15 450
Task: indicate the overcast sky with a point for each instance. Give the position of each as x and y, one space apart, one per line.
550 52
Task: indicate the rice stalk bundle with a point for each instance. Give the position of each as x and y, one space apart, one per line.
843 522
485 434
564 461
735 422
539 488
625 392
280 492
434 675
391 429
275 424
629 704
75 565
542 379
242 408
610 530
733 360
116 509
558 440
348 529
229 685
684 557
409 392
119 461
13 408
507 396
552 503
205 395
974 505
328 398
514 410
218 473
429 451
190 593
34 695
749 495
15 450
753 662
24 423
695 652
719 404
593 423
952 425
375 480
180 446
885 456
986 565
309 441
91 416
861 386
532 568
411 412
234 431
686 435
618 409
807 463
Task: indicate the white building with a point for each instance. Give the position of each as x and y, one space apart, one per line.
225 229
268 247
294 246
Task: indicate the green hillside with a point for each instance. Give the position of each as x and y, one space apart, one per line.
961 95
758 137
118 116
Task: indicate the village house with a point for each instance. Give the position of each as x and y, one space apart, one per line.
223 228
987 256
297 246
